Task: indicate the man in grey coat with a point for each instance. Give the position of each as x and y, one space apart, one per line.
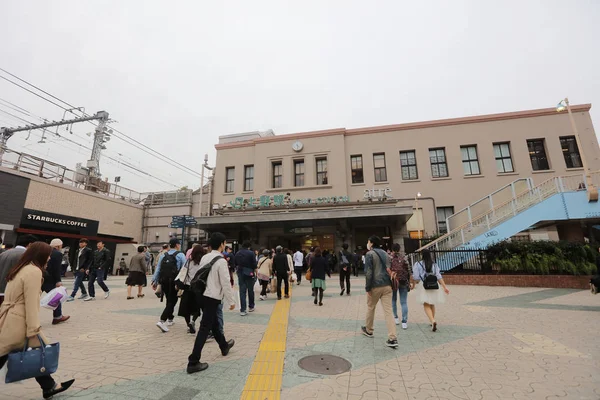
10 258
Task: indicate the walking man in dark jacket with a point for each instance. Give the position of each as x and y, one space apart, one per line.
52 278
281 266
346 259
82 264
100 264
246 269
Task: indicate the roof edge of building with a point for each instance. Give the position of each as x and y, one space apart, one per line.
405 126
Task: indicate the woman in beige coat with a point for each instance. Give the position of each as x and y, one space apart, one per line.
20 311
265 271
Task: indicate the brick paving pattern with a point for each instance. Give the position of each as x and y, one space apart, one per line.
492 343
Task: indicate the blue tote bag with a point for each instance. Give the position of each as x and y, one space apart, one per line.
32 363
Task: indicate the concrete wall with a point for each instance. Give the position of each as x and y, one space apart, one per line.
13 191
116 217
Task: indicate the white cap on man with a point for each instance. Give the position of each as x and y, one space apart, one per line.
56 243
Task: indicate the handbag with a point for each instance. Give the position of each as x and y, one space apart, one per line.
308 275
32 363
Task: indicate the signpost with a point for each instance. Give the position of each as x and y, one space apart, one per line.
182 221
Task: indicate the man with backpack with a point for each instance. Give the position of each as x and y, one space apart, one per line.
211 285
246 269
345 269
167 270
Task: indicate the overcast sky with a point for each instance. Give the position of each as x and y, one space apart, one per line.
177 74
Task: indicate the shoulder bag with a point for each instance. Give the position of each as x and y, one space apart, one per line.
32 363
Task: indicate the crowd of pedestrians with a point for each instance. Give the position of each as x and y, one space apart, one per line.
201 280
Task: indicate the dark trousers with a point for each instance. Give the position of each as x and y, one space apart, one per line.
78 284
345 276
46 382
298 271
264 285
355 269
246 286
97 274
171 299
285 279
209 322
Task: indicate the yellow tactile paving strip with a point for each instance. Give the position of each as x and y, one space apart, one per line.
264 380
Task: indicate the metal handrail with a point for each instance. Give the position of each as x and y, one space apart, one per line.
485 221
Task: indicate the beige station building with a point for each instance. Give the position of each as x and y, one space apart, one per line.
400 182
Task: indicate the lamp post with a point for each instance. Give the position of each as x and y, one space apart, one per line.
592 191
205 165
421 215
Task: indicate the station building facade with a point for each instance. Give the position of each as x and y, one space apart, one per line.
400 182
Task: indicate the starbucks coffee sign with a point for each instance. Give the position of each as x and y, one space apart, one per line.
378 194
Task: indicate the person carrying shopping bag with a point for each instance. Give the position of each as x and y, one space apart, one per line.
20 319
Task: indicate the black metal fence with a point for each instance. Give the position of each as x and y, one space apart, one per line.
470 261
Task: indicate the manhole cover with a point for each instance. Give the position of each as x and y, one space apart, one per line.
325 364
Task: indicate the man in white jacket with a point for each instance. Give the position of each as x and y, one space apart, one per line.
218 288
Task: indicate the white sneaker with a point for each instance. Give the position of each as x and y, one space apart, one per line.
162 326
70 298
170 322
263 298
83 297
106 295
243 313
89 298
404 325
397 321
251 310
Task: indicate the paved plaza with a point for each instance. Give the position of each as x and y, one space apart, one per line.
492 343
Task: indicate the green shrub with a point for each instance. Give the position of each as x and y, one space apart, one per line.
543 257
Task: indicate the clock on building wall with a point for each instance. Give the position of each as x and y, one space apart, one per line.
297 146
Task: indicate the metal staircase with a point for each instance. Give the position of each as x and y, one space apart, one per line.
510 210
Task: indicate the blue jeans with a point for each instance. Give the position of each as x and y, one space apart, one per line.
96 274
78 284
403 302
246 286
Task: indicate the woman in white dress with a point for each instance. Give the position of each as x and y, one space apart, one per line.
423 271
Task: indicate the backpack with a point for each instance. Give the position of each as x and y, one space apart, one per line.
400 268
430 281
199 281
344 258
168 268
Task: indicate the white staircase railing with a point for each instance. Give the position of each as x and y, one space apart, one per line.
486 221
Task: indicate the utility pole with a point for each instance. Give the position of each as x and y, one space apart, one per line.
6 133
100 137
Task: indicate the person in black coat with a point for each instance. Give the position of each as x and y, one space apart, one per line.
281 267
52 278
319 267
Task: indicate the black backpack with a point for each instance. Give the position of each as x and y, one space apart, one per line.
198 283
168 268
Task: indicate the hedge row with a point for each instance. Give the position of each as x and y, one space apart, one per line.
542 258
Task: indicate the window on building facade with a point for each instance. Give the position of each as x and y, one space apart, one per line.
249 178
356 166
537 154
229 179
408 165
321 171
380 170
470 160
504 162
277 174
298 172
570 152
442 214
439 167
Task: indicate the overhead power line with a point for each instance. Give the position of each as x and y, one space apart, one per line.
120 135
